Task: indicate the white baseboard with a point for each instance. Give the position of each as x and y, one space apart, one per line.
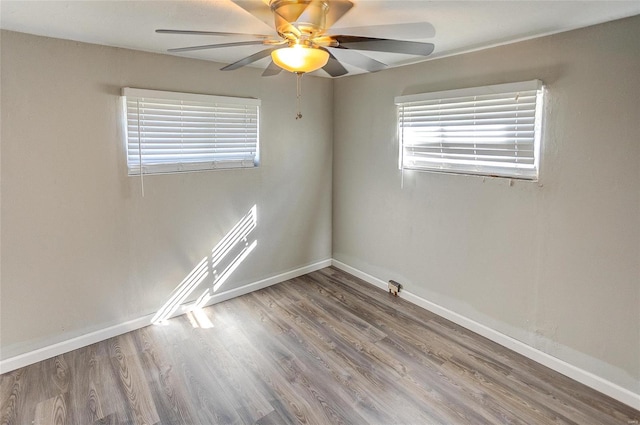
62 347
227 295
587 378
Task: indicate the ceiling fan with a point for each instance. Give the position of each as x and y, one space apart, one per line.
303 43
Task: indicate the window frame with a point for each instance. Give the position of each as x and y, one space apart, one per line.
215 107
445 164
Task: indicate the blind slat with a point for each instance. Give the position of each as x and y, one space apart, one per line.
493 130
169 132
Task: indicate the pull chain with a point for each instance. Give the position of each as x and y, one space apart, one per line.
298 94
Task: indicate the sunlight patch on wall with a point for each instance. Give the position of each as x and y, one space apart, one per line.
236 242
180 294
225 258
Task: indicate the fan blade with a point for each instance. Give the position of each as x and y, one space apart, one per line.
384 45
216 46
249 59
260 10
334 67
271 70
217 33
361 61
407 31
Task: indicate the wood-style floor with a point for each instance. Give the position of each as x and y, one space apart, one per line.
324 348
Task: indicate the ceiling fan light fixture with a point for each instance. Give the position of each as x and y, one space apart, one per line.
300 59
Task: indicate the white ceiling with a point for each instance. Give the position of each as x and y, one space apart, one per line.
460 26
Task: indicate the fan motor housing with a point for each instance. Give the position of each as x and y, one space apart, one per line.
299 19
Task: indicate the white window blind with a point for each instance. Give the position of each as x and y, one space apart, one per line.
170 132
490 130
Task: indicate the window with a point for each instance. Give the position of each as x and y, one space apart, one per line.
170 132
491 130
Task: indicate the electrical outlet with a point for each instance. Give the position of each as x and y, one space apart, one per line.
394 287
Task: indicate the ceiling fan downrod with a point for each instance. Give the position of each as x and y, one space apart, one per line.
298 94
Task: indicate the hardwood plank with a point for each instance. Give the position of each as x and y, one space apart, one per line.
52 412
113 400
273 418
107 420
245 392
13 392
205 392
127 365
85 398
169 395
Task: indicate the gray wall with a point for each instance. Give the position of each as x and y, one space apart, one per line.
81 248
555 264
